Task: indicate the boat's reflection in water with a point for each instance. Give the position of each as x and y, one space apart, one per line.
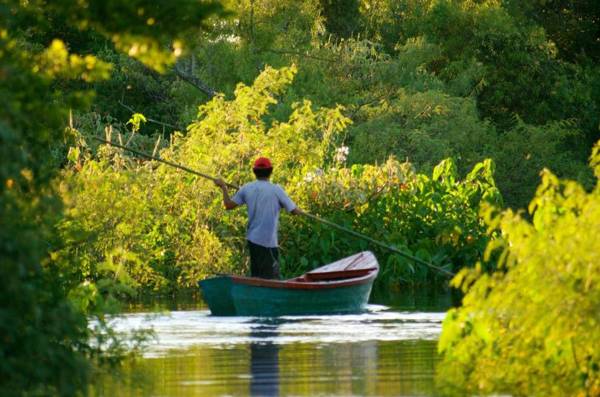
264 358
347 369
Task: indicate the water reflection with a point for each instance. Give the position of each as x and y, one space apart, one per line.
379 353
264 358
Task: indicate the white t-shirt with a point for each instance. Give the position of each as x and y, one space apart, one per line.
264 200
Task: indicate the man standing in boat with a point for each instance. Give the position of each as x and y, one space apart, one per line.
264 201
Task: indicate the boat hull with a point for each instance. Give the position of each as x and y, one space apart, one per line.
217 294
339 288
251 300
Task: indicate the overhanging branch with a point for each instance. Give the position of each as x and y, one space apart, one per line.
193 80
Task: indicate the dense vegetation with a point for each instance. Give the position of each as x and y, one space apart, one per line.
404 120
168 229
531 329
420 80
48 346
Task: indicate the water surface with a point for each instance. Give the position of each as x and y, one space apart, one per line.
388 351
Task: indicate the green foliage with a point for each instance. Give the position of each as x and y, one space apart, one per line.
479 73
413 79
159 229
136 121
573 26
342 17
134 228
531 328
48 344
271 24
424 81
423 127
519 72
44 346
152 32
230 134
133 87
175 229
526 149
435 218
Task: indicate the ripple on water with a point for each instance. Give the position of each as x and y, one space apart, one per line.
180 330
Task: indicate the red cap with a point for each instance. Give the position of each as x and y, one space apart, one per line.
262 162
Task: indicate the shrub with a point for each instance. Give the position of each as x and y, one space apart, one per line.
531 328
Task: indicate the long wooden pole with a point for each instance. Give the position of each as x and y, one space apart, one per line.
148 156
306 214
378 243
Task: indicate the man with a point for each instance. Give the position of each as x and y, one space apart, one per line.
264 201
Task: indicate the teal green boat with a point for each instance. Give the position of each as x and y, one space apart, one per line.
340 287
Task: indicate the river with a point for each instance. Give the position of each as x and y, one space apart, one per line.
388 351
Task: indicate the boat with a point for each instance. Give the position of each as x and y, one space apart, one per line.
340 287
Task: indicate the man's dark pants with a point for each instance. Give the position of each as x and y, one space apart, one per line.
264 261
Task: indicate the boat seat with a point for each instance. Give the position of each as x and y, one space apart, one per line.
337 275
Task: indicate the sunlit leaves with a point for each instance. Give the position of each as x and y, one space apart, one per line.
532 328
445 172
435 219
173 223
147 50
136 120
150 31
595 160
229 134
52 287
56 61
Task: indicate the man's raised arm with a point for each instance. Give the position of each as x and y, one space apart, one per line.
227 201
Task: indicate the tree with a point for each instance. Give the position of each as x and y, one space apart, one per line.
531 328
45 337
573 25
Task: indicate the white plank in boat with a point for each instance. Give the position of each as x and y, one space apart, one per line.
363 260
